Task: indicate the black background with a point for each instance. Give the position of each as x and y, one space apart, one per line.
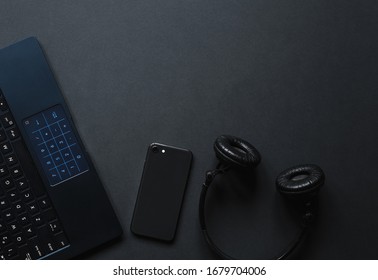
298 79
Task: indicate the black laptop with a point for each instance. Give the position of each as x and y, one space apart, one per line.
52 202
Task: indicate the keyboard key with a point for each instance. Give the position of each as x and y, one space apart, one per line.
67 155
37 220
20 207
7 120
72 167
54 177
63 124
44 203
24 220
50 247
37 250
57 158
44 232
5 148
60 240
7 183
13 195
10 251
55 129
4 204
42 149
8 215
16 172
5 240
46 134
54 227
13 227
3 171
30 231
13 133
21 184
61 142
27 196
48 162
32 208
63 172
11 159
37 137
52 146
70 138
19 239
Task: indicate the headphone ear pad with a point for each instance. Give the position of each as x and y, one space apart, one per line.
236 152
300 180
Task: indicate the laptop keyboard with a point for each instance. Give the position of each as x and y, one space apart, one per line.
29 225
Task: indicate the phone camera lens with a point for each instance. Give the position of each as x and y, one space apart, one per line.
155 149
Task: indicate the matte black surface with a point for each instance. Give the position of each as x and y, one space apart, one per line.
81 203
161 192
297 79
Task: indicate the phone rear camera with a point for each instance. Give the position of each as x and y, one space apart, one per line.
155 149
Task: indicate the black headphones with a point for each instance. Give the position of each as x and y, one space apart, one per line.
300 183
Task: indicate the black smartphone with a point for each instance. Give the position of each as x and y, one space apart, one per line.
161 192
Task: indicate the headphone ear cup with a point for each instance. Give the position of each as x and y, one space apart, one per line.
236 152
300 180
